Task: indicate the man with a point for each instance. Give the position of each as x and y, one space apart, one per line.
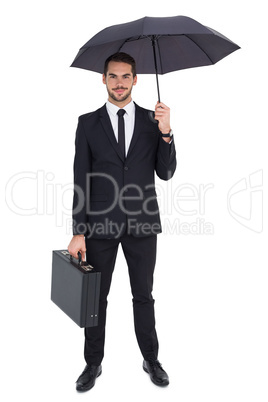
118 149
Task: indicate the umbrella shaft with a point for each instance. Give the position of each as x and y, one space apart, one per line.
156 69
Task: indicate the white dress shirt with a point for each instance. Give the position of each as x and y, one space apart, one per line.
129 119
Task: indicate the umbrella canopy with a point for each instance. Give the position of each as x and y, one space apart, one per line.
158 45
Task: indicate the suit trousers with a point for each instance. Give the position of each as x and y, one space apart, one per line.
140 254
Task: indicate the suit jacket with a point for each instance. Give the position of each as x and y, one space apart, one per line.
113 194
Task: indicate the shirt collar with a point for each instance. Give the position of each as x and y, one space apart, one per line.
113 109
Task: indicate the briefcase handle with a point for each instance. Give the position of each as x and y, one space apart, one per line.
79 257
71 257
83 264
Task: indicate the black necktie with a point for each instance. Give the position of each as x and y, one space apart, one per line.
121 130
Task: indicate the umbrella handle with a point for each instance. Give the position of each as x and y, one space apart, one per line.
158 92
151 117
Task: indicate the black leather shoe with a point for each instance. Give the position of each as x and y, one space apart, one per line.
87 379
156 372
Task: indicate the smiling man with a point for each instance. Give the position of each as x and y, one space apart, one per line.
119 148
119 83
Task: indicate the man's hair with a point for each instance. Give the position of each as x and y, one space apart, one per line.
121 57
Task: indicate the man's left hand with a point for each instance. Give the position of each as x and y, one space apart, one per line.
162 114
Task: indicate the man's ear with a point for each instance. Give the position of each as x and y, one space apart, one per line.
103 79
135 80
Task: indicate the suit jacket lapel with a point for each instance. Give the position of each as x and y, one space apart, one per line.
107 126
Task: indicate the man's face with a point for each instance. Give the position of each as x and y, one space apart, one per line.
119 82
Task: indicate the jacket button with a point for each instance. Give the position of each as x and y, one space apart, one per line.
125 167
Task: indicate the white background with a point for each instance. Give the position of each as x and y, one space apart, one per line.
210 289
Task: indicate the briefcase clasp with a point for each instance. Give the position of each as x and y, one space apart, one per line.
86 266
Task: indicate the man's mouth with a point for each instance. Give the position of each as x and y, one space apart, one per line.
119 90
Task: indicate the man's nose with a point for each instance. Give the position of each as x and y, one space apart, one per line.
119 82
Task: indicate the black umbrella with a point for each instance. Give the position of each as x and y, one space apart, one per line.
158 45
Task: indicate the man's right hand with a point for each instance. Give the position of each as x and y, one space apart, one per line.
78 244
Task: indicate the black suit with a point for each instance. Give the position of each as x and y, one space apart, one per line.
115 202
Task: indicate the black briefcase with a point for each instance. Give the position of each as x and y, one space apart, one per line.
75 288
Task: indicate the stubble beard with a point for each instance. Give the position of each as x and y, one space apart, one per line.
119 99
